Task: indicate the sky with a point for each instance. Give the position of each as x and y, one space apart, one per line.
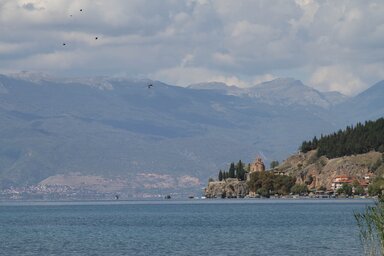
329 45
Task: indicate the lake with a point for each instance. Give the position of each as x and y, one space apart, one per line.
195 227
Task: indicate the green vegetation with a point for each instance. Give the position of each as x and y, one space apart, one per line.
299 189
345 189
220 176
274 164
268 183
371 226
240 171
235 171
359 139
262 183
376 187
231 172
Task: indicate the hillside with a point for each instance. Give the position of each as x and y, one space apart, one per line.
357 139
319 172
357 151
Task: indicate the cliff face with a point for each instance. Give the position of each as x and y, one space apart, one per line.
230 188
319 172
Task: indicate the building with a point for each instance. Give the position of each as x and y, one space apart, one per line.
257 166
338 181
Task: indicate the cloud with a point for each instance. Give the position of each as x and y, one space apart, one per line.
183 42
336 78
31 7
8 48
184 76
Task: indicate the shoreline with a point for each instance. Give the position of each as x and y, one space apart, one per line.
183 201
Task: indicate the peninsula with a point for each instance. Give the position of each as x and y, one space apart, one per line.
347 163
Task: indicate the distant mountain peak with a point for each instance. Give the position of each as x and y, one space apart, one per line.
373 90
34 77
218 87
282 83
210 85
279 91
290 91
284 80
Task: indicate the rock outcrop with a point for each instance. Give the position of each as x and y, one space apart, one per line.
319 172
229 188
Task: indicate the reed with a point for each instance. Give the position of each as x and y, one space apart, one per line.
371 227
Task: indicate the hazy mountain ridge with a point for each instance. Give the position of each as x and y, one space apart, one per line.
368 103
120 127
280 91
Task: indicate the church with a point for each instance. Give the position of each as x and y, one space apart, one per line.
256 166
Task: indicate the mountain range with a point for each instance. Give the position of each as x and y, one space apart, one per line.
118 127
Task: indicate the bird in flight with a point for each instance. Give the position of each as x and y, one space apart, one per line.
95 38
149 86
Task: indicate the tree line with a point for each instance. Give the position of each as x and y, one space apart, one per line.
358 139
235 171
268 183
239 170
263 183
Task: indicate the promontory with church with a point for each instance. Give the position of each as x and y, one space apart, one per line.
347 163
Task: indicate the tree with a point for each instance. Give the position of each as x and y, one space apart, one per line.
346 189
340 191
376 188
263 192
220 175
240 172
359 190
274 164
231 172
359 139
299 189
282 184
265 183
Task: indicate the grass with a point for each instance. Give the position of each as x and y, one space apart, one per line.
371 227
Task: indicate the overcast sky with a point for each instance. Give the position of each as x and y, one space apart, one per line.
329 45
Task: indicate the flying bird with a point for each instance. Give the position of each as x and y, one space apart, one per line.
81 10
149 86
64 44
96 38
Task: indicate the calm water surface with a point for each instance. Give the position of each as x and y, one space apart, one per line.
198 227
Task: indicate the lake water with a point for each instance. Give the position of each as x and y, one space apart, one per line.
196 227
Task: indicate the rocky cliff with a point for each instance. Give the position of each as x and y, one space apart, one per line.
230 188
319 172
